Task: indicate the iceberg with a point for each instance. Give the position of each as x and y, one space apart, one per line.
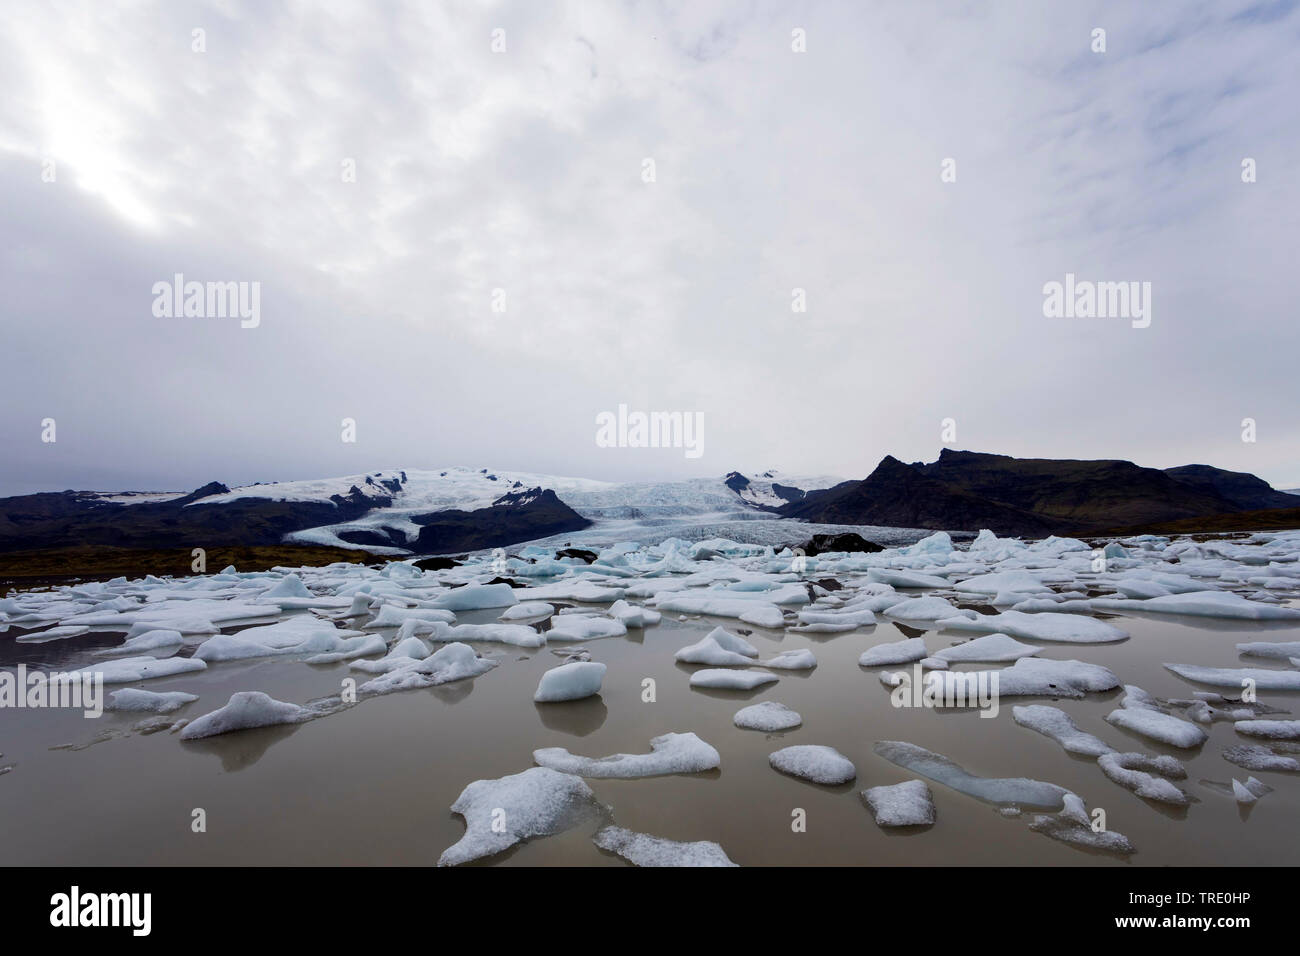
669 753
824 765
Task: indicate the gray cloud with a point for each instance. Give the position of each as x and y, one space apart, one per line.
522 171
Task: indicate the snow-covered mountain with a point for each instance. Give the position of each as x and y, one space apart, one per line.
393 511
402 496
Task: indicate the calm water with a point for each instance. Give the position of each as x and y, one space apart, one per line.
372 784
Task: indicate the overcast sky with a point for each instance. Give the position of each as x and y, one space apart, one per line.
523 171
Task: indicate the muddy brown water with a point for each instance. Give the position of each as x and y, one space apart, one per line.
373 784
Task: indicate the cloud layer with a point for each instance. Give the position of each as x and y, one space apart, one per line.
522 171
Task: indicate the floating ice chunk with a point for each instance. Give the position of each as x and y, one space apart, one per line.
245 710
641 849
1242 793
584 628
1139 588
1260 758
731 680
935 544
474 597
1135 698
1073 826
518 635
500 813
1283 651
1015 791
907 804
134 700
573 591
831 622
1269 729
1262 679
349 649
1028 677
925 609
234 647
392 616
708 651
1254 787
1056 724
998 582
1225 604
148 641
452 662
813 762
360 606
528 611
670 753
906 579
990 647
1047 605
800 659
1165 728
758 613
172 614
986 540
768 716
1047 626
895 652
633 615
1136 772
128 670
405 653
53 634
572 681
1209 707
290 586
719 648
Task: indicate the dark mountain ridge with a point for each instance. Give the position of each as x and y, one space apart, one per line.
1032 497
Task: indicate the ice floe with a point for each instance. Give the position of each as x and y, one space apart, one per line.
128 670
1238 677
244 711
1269 729
1254 757
1224 604
1047 626
814 762
641 849
907 804
527 611
718 648
1008 791
767 716
895 652
572 681
1142 714
991 648
449 663
1056 724
502 812
1073 826
134 700
731 679
1138 772
669 753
